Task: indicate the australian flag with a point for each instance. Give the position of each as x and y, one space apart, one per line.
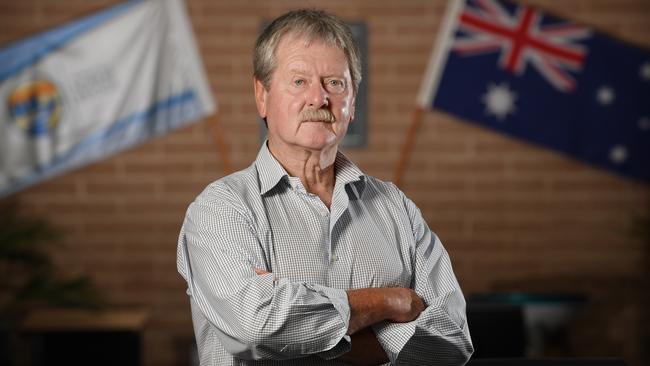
546 80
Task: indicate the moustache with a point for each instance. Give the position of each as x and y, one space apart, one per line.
317 115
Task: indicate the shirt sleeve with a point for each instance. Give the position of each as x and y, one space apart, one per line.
440 334
255 316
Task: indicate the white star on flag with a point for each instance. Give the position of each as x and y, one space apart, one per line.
499 100
605 95
618 154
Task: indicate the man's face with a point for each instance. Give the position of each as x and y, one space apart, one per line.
308 78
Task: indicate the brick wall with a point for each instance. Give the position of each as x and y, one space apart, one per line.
513 217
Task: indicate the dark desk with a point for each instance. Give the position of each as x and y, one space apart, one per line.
85 337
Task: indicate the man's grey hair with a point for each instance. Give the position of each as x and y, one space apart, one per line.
314 25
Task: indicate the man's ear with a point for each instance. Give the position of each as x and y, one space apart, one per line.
260 97
353 108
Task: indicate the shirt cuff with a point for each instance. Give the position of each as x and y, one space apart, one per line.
339 299
393 337
424 333
344 346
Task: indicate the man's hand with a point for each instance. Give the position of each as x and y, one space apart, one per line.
405 304
372 305
260 271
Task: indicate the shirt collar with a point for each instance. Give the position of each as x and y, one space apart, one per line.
347 172
271 172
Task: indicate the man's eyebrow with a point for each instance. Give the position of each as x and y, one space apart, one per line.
303 72
297 70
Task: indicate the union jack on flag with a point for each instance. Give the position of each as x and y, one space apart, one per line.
521 39
546 80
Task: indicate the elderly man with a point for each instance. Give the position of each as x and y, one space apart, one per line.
302 259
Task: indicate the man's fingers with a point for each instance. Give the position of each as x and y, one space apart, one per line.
260 271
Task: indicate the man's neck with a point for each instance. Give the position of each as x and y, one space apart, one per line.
315 168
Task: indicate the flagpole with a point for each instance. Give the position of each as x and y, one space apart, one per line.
222 146
429 86
407 148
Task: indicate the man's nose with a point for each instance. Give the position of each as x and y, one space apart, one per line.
317 96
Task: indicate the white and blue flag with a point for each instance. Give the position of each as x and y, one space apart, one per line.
96 86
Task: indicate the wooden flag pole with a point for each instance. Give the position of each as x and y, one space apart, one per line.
222 147
407 148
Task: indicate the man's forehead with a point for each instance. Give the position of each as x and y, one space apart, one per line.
293 40
291 48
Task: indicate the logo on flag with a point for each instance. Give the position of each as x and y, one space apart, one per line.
35 107
546 80
113 80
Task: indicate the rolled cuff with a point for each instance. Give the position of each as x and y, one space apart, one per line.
339 299
432 338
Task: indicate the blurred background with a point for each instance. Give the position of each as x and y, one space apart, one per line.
525 226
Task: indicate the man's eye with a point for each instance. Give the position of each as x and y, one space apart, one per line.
335 85
299 82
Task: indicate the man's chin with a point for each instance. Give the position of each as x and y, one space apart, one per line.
320 141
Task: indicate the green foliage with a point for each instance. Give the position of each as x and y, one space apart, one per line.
20 239
29 277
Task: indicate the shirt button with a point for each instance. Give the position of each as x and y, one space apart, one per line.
335 258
